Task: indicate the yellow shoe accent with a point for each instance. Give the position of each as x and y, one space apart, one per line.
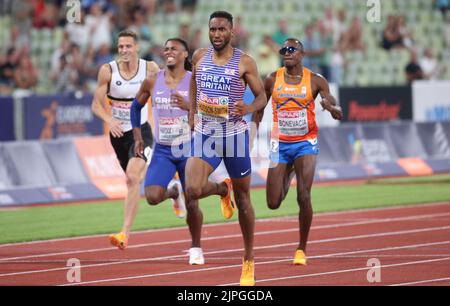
248 273
226 203
300 258
119 240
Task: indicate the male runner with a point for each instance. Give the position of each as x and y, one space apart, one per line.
169 90
219 78
294 146
119 81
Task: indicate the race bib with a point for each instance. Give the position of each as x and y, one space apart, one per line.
174 128
293 123
121 112
213 109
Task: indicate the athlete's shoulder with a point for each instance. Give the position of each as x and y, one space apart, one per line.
198 54
152 67
317 77
272 75
245 57
105 71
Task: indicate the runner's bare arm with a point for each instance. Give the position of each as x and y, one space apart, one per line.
253 80
269 82
328 101
142 97
104 76
145 90
152 68
198 54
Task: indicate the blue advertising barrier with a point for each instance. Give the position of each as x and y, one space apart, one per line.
6 119
49 117
56 171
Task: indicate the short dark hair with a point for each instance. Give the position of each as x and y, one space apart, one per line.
222 14
128 33
187 62
297 41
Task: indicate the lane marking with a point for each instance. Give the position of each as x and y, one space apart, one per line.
378 209
345 271
271 262
260 233
422 282
239 250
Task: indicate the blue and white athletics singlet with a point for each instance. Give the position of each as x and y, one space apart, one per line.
218 88
219 135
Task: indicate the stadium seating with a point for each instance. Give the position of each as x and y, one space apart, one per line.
375 67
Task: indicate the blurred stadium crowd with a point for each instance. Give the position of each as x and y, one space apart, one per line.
41 52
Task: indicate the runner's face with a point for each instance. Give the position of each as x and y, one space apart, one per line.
127 48
220 33
174 53
292 59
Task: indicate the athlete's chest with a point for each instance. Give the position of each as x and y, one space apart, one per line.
291 96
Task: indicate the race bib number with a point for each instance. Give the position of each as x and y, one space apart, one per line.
213 109
121 112
171 129
293 123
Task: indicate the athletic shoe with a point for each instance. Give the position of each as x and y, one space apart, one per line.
248 273
226 203
179 204
196 256
300 258
119 240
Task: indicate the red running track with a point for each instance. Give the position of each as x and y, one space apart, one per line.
411 243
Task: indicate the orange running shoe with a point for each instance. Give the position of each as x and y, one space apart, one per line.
226 203
300 258
119 240
248 273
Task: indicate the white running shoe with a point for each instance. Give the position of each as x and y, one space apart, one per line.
178 205
196 256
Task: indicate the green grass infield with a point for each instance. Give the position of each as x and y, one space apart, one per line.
70 220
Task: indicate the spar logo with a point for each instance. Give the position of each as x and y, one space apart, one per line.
220 101
171 121
289 115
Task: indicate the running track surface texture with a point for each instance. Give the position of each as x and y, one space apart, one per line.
407 245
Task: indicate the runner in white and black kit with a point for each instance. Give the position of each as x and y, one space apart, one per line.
120 81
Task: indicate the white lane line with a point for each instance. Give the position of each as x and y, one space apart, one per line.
344 271
264 263
140 260
260 233
435 280
390 208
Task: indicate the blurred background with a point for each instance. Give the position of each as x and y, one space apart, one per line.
387 61
42 52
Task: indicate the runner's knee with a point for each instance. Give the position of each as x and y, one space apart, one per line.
273 203
154 197
132 179
193 193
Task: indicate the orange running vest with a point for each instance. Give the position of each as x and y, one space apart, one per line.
293 106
